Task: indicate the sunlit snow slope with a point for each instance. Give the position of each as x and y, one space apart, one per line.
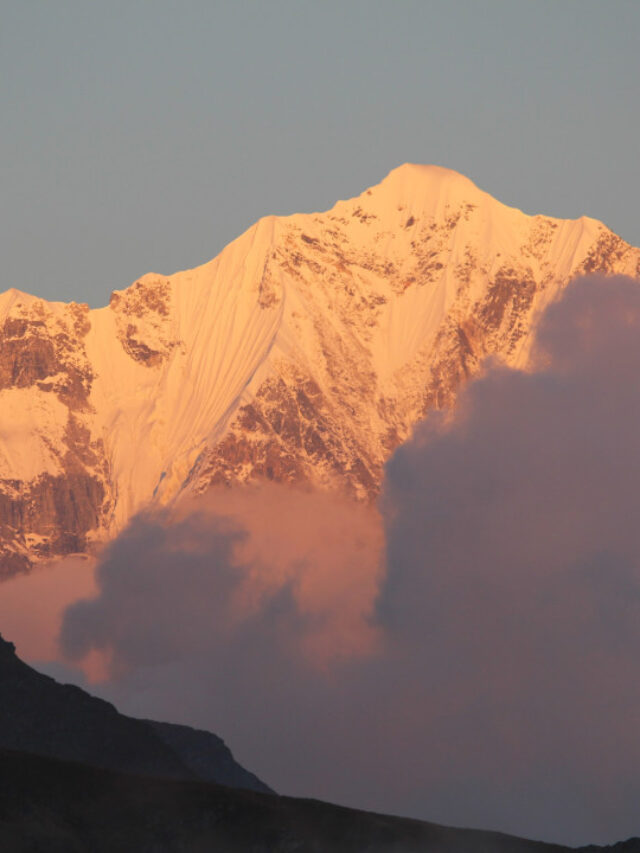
304 352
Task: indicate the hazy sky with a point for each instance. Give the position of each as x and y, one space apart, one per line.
144 135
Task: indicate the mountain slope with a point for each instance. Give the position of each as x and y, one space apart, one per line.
38 715
77 775
207 756
46 804
304 352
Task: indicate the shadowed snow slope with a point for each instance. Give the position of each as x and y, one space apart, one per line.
303 353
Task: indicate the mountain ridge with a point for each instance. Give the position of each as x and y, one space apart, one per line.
39 715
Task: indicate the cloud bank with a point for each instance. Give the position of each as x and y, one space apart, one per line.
485 670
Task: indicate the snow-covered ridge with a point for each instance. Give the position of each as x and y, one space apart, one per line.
304 352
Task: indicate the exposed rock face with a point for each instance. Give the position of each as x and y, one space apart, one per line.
143 321
288 433
53 472
304 353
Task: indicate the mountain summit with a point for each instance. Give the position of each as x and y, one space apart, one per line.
303 353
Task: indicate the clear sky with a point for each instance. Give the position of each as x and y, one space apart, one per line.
145 135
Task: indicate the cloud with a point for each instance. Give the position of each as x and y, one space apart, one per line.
32 605
299 567
513 559
485 672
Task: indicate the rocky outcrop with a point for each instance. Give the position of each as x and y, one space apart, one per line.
45 384
51 515
287 434
143 321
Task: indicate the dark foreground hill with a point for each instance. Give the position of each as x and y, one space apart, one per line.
39 715
48 805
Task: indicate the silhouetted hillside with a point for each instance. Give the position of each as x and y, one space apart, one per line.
49 805
62 721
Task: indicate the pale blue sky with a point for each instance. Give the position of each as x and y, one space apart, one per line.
146 134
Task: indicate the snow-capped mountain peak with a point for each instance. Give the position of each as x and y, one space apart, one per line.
304 352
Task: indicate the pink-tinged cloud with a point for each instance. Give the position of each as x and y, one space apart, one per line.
32 605
223 564
490 676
